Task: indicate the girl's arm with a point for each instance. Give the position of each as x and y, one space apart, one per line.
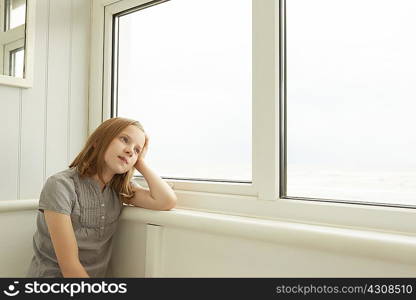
160 196
65 244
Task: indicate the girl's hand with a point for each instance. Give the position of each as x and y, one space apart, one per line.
140 158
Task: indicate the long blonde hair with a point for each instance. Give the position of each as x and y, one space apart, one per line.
90 160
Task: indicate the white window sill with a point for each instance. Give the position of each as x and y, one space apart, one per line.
367 217
359 216
372 244
376 244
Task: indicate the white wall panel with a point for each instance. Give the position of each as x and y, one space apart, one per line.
45 126
188 253
34 112
196 248
78 109
17 238
59 70
9 145
129 250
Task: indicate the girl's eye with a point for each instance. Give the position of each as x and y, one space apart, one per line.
124 138
137 150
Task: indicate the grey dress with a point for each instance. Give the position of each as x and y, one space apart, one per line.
94 215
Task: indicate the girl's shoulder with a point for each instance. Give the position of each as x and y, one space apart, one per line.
67 173
58 193
65 177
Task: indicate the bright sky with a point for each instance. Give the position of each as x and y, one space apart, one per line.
351 77
185 73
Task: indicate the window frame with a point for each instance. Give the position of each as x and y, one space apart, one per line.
11 50
2 15
263 198
12 59
6 18
28 41
110 9
7 12
13 39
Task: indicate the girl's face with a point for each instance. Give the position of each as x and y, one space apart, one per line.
123 151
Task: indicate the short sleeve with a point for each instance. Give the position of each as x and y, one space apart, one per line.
58 194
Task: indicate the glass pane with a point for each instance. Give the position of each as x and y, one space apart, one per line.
17 62
17 13
351 74
185 73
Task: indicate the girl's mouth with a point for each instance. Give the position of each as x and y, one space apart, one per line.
123 160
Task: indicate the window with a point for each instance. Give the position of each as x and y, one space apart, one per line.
275 145
187 78
15 13
12 37
351 100
17 62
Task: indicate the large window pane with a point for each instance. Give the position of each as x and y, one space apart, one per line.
184 71
351 73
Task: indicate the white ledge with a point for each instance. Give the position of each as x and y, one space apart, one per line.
18 205
372 244
376 245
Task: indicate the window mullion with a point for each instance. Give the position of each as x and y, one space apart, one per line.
2 10
266 99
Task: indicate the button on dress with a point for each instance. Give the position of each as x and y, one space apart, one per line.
94 214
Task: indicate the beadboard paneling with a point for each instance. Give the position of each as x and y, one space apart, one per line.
9 132
58 86
79 77
33 111
45 126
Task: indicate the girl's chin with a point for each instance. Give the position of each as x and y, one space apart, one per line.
119 169
122 170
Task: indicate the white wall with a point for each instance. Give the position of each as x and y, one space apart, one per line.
184 243
18 223
45 126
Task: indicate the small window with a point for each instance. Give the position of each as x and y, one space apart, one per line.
15 13
17 58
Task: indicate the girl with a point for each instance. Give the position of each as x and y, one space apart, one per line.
79 207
